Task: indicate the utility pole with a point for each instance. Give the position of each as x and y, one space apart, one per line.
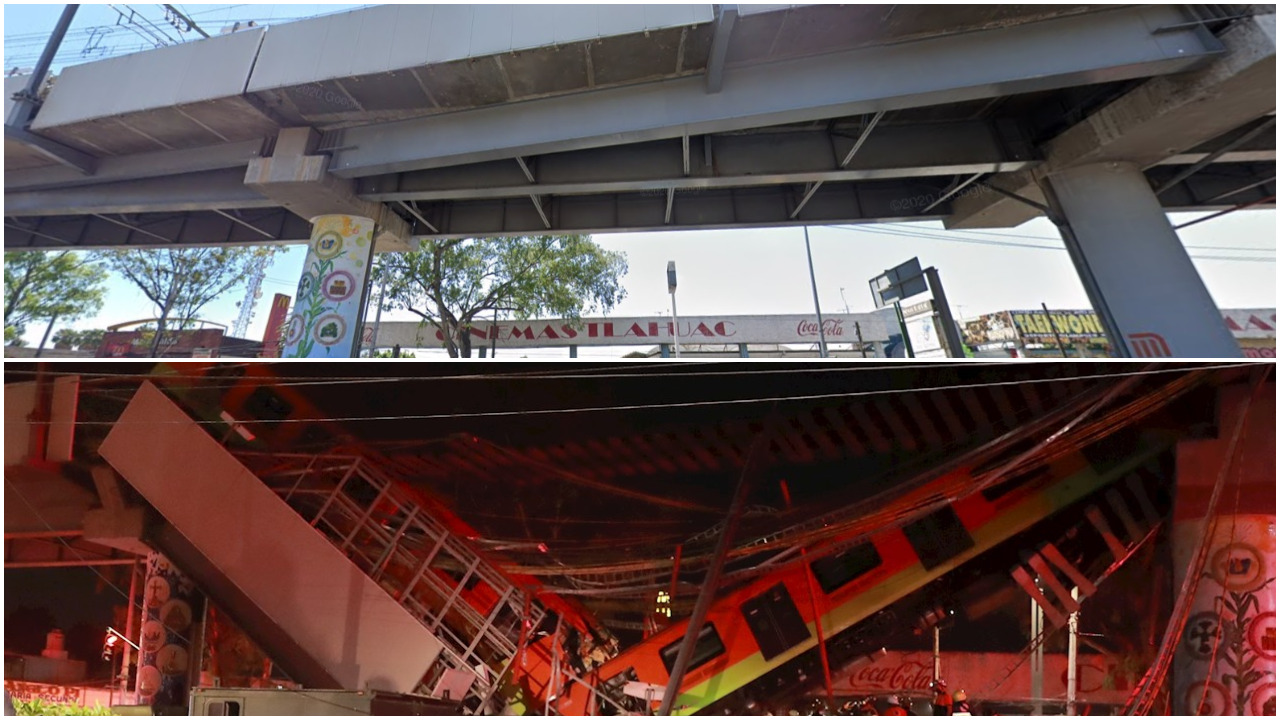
1073 636
675 319
822 335
1054 326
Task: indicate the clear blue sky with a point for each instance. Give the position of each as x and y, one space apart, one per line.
755 271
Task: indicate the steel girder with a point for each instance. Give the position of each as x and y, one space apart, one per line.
771 157
992 63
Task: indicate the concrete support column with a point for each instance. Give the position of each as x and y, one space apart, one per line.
169 604
1136 272
335 281
1226 658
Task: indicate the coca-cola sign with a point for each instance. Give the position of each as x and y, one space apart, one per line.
983 676
708 330
832 328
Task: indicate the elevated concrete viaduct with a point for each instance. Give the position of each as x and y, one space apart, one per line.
458 121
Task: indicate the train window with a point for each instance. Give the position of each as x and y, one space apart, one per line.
938 537
839 570
1013 482
228 707
774 621
708 648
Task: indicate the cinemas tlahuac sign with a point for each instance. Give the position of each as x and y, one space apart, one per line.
708 330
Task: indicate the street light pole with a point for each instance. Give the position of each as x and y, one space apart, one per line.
675 319
813 280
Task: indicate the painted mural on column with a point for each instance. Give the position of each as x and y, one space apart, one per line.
1229 643
326 308
169 604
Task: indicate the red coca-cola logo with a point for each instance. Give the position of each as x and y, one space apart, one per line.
831 327
904 676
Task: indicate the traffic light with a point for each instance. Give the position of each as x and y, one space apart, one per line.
109 645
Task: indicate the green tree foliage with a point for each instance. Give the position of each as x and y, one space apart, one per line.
182 281
453 283
39 286
69 339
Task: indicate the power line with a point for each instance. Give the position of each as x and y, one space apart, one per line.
980 241
691 404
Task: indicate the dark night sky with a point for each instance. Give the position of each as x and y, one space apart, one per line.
73 595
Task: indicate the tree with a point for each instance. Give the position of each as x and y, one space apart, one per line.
40 286
452 283
182 281
69 339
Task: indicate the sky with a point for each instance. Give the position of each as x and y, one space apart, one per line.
737 272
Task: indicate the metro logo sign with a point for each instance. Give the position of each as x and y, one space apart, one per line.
1149 345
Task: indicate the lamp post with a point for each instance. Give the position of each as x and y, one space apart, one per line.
822 335
675 319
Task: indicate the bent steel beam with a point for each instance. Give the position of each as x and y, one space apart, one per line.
1039 56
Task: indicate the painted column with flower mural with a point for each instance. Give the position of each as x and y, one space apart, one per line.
169 604
1226 658
326 309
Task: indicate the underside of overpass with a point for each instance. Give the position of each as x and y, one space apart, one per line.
601 474
520 120
489 121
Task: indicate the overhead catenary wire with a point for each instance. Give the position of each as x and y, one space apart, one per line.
662 406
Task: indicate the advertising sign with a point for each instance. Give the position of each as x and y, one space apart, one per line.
272 336
1035 326
706 330
1254 323
990 329
327 308
1100 679
926 341
177 343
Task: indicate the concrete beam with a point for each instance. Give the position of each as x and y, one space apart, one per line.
991 63
66 551
1261 148
39 501
301 183
1160 119
740 160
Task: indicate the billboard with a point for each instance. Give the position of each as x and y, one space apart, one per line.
990 329
1036 326
177 343
704 330
1101 679
272 336
926 341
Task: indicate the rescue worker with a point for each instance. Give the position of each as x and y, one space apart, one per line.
941 698
961 704
895 707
